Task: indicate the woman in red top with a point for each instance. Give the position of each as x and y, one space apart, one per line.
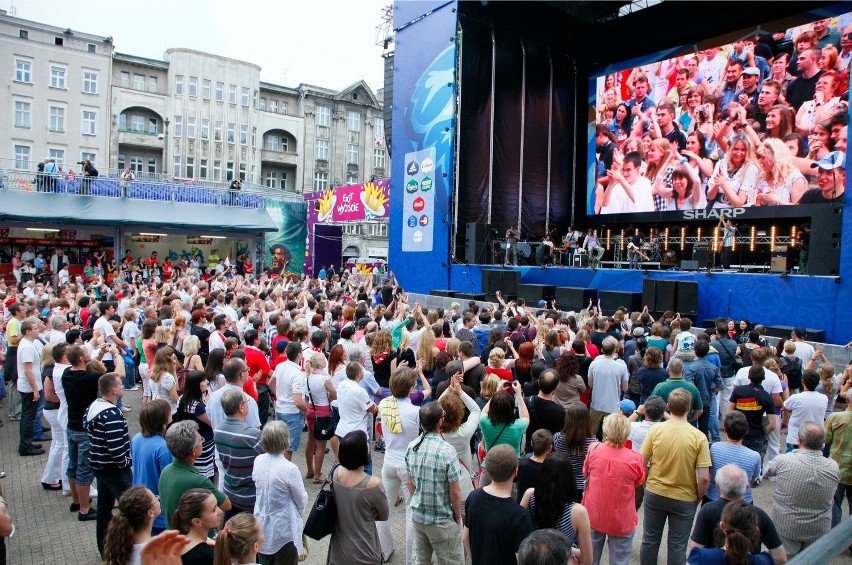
591 348
498 366
168 269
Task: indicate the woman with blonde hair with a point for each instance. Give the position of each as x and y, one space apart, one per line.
829 383
487 388
736 174
239 541
780 183
497 365
659 172
320 394
191 359
52 477
457 430
163 379
453 347
427 351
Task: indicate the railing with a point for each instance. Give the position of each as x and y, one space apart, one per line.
827 547
139 131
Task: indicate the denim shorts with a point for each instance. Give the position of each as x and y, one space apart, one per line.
79 466
295 423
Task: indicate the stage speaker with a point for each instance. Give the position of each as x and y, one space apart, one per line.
506 281
477 250
699 253
811 334
443 292
687 298
649 291
574 298
664 298
613 299
686 265
479 296
532 293
824 249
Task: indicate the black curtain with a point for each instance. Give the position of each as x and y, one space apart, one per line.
562 146
536 127
507 130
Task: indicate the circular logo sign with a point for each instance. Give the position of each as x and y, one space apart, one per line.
412 186
427 165
424 220
419 204
412 221
412 168
417 237
426 184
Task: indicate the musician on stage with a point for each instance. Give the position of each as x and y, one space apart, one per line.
634 250
570 243
729 232
511 247
547 250
592 245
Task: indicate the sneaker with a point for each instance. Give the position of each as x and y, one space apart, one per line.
92 514
380 446
133 388
126 408
756 482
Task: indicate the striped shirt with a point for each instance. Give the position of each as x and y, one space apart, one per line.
563 524
238 444
577 457
109 436
723 453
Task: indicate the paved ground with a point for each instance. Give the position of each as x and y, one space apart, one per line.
47 532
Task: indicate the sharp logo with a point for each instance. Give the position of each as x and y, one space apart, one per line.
713 214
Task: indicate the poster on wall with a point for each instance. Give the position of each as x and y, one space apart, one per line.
284 250
418 207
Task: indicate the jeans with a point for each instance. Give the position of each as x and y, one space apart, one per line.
393 479
111 485
264 397
619 547
130 376
38 427
756 444
679 514
79 466
713 420
295 424
843 491
29 409
443 540
14 406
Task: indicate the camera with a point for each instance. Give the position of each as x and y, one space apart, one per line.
81 162
508 386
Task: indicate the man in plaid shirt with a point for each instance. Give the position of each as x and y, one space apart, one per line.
433 480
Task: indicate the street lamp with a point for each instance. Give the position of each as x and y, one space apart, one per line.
166 148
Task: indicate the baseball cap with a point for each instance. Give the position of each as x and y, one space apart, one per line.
800 331
639 332
627 406
542 303
833 160
754 71
685 341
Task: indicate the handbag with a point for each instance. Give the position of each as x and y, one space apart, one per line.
323 428
323 517
736 362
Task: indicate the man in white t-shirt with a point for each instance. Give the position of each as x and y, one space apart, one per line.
104 326
712 67
804 351
653 411
290 406
355 407
29 385
627 190
217 336
807 406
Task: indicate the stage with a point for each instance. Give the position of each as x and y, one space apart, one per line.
768 299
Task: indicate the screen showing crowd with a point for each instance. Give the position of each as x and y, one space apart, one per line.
740 125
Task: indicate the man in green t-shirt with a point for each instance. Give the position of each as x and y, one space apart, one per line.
676 381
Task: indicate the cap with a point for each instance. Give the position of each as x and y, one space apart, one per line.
754 71
800 331
833 160
542 303
685 341
639 332
627 406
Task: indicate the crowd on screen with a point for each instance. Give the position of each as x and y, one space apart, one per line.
511 433
759 122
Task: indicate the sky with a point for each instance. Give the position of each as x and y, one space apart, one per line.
329 43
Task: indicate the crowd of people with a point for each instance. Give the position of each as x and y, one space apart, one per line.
759 122
511 433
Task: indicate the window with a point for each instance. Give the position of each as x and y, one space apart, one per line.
57 155
217 131
323 116
136 164
22 114
193 87
283 106
90 82
242 171
178 126
379 128
190 167
137 123
321 181
90 122
353 121
121 162
220 92
232 129
205 128
283 180
176 166
205 89
217 170
262 103
243 134
22 157
85 156
352 154
139 83
272 142
178 86
244 97
122 122
380 229
232 94
58 41
57 77
124 80
23 71
254 99
56 122
321 149
285 144
190 127
23 34
271 179
152 84
153 126
273 105
202 169
378 158
229 171
90 48
351 179
254 137
152 165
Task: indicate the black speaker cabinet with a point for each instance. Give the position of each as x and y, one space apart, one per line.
532 293
612 299
575 298
477 250
443 292
824 249
506 281
699 254
649 294
665 296
687 298
687 265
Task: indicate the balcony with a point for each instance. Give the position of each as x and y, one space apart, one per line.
139 138
279 157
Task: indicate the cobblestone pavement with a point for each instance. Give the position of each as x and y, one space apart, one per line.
47 532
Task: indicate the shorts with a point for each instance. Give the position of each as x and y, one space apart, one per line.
79 465
295 423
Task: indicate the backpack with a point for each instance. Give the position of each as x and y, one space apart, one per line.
791 367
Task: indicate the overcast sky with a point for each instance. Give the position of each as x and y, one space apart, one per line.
328 43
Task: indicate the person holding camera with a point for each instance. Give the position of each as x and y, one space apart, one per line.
233 190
